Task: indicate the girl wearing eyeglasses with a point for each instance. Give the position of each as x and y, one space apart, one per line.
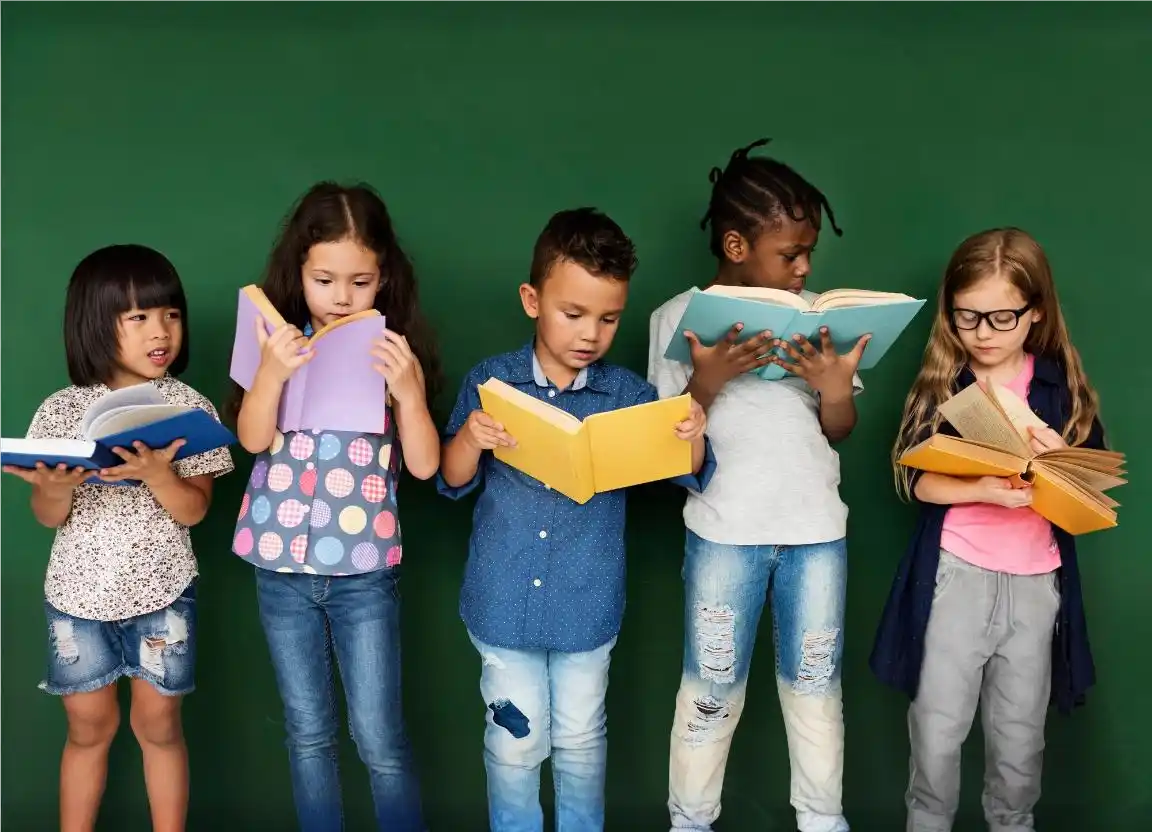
986 608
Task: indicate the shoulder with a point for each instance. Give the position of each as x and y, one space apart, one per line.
502 366
672 309
622 383
68 404
175 391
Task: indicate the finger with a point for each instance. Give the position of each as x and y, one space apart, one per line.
261 332
25 474
805 346
484 420
756 344
793 353
858 351
506 440
825 340
399 340
172 449
117 473
734 334
693 341
127 456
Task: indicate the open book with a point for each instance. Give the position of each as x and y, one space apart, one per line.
606 451
338 389
849 315
1068 484
118 419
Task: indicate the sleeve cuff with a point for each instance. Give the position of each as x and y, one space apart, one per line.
699 481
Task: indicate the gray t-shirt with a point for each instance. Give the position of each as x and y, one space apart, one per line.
777 478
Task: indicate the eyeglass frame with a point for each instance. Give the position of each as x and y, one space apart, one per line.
987 316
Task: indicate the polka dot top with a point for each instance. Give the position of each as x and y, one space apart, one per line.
322 503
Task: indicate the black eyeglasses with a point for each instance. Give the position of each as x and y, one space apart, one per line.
1001 320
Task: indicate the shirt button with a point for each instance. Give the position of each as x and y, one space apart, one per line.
536 582
543 534
551 394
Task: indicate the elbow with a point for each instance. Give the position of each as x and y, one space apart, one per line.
425 471
253 444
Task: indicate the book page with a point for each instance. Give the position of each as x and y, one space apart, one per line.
1065 504
126 418
638 444
1096 480
838 298
779 297
1017 411
976 416
126 398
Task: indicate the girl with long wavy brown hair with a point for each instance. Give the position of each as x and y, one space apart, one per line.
986 610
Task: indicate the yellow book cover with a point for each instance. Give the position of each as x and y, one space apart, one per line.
606 451
1068 484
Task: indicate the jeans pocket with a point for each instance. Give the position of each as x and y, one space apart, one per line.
945 572
1052 584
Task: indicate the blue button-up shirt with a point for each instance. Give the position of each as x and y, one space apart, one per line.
544 572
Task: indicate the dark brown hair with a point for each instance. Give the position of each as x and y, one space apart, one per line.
587 237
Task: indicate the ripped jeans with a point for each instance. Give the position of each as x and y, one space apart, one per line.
158 647
725 589
543 703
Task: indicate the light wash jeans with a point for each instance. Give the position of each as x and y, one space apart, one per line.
725 588
543 703
989 641
304 618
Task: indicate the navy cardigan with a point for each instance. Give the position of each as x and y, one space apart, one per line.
898 651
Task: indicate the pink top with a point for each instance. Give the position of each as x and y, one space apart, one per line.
1014 540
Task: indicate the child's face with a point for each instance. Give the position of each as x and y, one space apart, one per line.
577 315
340 279
149 341
988 347
780 258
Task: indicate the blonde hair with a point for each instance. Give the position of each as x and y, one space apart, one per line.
1014 255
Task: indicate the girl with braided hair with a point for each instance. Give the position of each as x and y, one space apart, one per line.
771 523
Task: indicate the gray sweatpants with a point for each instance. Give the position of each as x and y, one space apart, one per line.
989 642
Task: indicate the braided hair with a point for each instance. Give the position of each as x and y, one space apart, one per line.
752 193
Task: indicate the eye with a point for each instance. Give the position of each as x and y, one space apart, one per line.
572 316
966 316
323 281
360 284
610 319
1003 318
174 314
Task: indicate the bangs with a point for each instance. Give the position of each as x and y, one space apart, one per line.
148 291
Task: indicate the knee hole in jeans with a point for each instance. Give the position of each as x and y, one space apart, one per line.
817 664
173 641
710 714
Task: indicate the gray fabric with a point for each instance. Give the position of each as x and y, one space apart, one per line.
989 642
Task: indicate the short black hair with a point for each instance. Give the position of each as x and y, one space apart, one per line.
106 284
588 238
752 193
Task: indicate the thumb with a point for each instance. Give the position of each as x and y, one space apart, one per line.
690 337
858 350
261 332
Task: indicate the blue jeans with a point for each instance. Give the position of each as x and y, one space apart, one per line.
158 647
304 617
543 703
725 588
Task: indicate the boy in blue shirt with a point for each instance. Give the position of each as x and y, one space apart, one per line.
543 593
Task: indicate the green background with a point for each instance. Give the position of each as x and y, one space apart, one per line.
192 128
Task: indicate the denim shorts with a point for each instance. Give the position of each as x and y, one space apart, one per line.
158 647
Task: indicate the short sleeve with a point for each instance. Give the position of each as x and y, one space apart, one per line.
216 462
467 400
668 377
48 421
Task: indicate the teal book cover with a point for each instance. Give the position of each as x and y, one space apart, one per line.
848 314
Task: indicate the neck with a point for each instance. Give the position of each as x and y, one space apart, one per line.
726 275
556 372
1003 372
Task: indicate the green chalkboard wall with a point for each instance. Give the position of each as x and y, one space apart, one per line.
191 127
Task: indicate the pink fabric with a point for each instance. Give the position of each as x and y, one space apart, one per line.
1014 540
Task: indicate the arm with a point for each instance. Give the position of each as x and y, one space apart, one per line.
469 433
187 500
838 414
418 438
832 376
256 423
944 490
460 461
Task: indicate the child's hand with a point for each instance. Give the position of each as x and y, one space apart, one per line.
693 427
826 371
54 483
1045 439
715 366
145 465
1001 492
282 352
484 433
400 367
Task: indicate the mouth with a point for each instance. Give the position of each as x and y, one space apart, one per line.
160 357
796 288
584 355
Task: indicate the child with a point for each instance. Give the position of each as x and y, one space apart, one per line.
543 593
120 593
319 517
986 582
772 521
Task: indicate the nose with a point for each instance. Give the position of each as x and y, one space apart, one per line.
590 332
342 296
803 266
984 330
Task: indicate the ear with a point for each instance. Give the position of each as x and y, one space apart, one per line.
735 247
1037 315
530 299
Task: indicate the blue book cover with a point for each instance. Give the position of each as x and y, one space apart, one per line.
117 421
848 314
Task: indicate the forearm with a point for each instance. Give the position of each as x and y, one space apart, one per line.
838 415
51 510
256 423
698 448
944 490
703 391
418 438
459 461
180 498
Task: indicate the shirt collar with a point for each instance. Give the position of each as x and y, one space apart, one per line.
526 368
1045 370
